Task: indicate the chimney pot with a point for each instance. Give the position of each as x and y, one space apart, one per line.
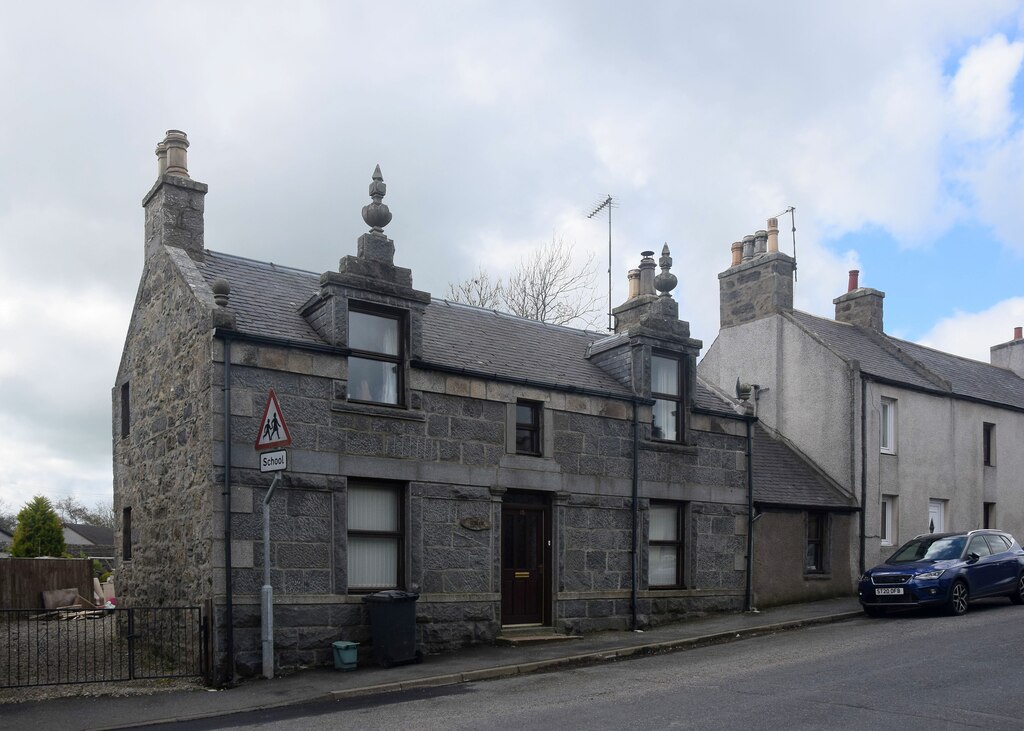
633 280
737 253
1017 333
176 148
760 242
647 266
748 247
852 285
773 235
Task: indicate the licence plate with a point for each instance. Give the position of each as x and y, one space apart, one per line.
889 591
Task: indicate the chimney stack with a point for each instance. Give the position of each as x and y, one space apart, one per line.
759 280
860 306
1010 355
176 203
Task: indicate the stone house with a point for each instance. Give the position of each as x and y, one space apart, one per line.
924 440
508 471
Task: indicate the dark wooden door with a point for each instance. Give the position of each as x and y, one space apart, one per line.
523 570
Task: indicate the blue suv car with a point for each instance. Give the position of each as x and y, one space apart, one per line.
945 570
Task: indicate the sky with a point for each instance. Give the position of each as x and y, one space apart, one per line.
895 130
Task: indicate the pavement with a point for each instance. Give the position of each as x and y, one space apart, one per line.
464 666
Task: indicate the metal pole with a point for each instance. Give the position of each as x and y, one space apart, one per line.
267 595
610 325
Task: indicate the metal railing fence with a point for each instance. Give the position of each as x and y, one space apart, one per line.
62 646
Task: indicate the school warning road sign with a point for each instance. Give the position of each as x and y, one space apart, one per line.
273 430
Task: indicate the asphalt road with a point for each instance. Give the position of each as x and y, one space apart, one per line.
918 671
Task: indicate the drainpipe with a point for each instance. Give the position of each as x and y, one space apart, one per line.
230 619
749 421
863 468
636 511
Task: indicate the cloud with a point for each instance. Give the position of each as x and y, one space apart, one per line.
981 90
971 334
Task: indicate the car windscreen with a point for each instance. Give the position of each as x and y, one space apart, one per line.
930 549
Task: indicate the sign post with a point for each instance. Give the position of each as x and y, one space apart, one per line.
273 434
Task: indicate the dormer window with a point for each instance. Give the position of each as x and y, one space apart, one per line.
374 373
667 395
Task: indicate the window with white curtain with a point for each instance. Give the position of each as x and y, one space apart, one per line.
665 545
374 536
666 392
374 367
887 426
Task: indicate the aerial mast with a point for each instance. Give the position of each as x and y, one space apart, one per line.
608 203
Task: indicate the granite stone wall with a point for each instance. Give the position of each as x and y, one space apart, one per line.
163 467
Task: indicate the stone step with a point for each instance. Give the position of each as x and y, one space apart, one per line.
520 636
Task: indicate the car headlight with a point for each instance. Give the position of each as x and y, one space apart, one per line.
866 576
930 575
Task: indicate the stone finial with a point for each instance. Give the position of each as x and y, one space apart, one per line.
376 214
221 292
647 273
176 149
666 281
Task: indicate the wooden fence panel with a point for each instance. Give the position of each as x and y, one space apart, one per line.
23 580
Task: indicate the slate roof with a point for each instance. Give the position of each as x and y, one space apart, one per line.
493 342
266 298
95 534
781 475
967 378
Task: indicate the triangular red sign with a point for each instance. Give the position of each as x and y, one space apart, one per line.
273 431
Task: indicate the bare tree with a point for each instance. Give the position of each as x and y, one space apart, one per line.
71 510
548 285
8 518
479 290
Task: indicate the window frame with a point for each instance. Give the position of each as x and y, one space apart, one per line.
397 359
887 426
126 534
535 430
676 398
126 409
819 541
679 543
988 444
887 518
399 534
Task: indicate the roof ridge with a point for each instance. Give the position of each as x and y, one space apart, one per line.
264 264
511 316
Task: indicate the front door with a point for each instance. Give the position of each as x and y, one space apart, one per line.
525 548
936 516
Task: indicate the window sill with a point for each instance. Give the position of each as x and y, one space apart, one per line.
671 447
817 576
529 462
387 412
887 451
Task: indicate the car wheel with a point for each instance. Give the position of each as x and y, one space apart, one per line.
958 597
1017 597
874 611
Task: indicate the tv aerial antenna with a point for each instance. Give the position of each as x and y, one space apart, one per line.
607 204
792 222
